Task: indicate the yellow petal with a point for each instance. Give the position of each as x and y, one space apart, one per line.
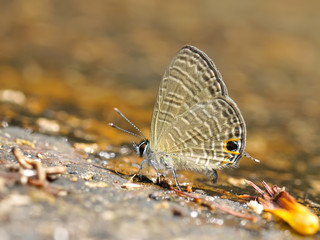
299 217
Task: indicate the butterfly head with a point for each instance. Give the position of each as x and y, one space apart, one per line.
142 147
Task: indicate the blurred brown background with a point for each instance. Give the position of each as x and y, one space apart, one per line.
86 57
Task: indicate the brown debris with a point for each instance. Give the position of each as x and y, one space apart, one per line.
189 189
47 125
12 96
24 142
91 148
212 205
165 182
87 176
99 184
41 173
130 185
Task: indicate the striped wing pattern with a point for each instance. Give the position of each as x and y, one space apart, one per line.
193 115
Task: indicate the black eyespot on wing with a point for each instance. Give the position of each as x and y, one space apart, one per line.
232 146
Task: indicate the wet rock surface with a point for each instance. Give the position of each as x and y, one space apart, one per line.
97 204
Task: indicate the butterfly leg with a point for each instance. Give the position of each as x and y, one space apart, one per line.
155 168
153 165
175 178
141 167
213 174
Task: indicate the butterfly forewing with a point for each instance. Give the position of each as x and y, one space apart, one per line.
194 117
190 78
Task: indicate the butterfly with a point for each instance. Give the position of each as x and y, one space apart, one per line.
195 125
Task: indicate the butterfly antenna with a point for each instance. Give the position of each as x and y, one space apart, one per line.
120 113
252 158
126 131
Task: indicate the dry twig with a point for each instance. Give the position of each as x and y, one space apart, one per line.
205 202
41 173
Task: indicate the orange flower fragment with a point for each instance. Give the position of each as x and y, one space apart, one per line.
280 203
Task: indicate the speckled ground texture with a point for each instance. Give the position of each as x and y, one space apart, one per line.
65 65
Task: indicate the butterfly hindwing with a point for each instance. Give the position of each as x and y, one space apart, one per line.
197 137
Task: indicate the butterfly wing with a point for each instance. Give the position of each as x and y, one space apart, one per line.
197 139
190 78
194 117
